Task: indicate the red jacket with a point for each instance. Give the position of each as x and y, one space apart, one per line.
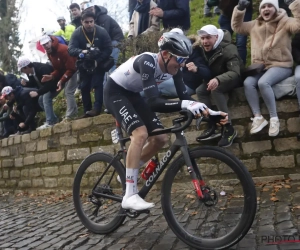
63 64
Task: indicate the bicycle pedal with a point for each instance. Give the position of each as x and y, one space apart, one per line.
135 213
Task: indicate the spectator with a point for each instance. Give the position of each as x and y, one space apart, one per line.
65 30
296 57
27 107
141 21
225 65
194 72
6 122
98 49
76 15
270 45
112 27
285 6
131 6
224 21
174 13
8 79
64 72
35 72
207 12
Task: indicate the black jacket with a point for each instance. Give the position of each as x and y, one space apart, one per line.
76 22
227 6
102 41
131 5
176 13
107 22
296 48
191 79
23 99
40 70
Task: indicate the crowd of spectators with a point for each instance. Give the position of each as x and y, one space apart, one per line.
81 55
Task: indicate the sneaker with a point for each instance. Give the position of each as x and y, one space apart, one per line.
93 113
46 125
258 124
77 92
274 126
228 135
202 137
18 133
135 202
69 119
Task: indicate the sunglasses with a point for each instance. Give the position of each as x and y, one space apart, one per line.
179 59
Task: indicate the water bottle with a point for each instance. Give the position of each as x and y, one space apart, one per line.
81 55
149 169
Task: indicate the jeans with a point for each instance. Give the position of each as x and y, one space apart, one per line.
45 101
89 82
241 40
115 54
297 80
264 81
167 88
70 88
218 95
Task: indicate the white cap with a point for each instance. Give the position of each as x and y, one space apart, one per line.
44 39
273 2
177 30
23 62
6 90
208 30
60 18
88 5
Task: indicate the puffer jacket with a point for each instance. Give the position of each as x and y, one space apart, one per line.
191 79
63 64
225 63
262 33
107 22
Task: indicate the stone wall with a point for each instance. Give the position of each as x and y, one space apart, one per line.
46 160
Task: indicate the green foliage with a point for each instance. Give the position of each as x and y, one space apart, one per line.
10 47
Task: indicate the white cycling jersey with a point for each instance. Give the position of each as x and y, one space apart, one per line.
128 78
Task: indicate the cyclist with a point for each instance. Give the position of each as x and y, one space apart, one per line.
137 116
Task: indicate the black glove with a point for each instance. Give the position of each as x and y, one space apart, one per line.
288 2
243 4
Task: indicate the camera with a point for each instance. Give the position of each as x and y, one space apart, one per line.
86 62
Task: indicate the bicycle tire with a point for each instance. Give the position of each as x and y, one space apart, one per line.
91 165
248 199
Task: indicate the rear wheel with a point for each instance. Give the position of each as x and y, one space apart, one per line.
228 212
99 215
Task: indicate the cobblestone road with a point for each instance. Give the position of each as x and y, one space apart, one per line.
47 222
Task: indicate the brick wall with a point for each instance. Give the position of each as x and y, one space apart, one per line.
46 160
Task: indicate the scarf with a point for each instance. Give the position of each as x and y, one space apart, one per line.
143 10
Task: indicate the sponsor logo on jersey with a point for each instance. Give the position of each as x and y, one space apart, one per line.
145 77
149 87
127 73
161 78
149 64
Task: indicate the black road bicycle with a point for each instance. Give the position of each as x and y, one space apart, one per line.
208 197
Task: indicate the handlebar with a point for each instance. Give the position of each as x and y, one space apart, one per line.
187 116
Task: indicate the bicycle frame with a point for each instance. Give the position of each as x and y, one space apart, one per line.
179 144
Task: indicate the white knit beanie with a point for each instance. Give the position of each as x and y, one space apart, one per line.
273 2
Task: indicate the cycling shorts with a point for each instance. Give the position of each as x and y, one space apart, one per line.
129 108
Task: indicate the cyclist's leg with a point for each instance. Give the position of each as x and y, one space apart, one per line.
152 122
119 102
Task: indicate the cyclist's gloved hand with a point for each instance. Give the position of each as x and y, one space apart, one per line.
195 107
218 116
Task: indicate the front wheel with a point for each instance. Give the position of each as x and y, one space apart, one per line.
225 217
97 176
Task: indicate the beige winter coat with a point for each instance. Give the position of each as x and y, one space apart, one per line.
154 22
261 34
